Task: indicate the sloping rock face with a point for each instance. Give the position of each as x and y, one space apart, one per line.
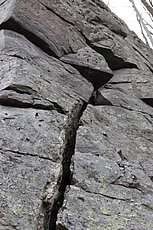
76 127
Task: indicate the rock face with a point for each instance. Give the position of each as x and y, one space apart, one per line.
76 127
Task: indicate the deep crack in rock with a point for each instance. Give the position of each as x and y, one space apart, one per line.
51 208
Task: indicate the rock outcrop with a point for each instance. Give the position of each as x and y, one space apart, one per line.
76 127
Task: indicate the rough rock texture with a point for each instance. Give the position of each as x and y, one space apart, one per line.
76 118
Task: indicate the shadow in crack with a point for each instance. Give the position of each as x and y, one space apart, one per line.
148 101
11 24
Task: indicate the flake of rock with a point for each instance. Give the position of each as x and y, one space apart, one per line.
117 52
34 76
91 65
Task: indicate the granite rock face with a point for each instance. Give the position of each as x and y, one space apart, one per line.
76 127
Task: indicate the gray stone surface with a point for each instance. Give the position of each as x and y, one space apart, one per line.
112 187
41 100
76 118
124 96
140 81
26 69
40 25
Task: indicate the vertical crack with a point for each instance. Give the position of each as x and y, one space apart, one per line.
52 206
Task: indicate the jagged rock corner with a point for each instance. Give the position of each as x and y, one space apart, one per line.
76 118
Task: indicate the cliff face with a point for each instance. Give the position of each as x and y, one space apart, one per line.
76 127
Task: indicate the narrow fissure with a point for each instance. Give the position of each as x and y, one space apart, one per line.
12 102
67 151
26 154
2 2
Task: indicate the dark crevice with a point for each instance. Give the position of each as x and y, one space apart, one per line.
3 2
11 102
149 68
11 24
58 108
148 207
27 154
16 56
148 101
130 185
97 78
8 225
137 50
21 89
121 82
114 182
104 195
51 209
148 118
120 153
114 62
